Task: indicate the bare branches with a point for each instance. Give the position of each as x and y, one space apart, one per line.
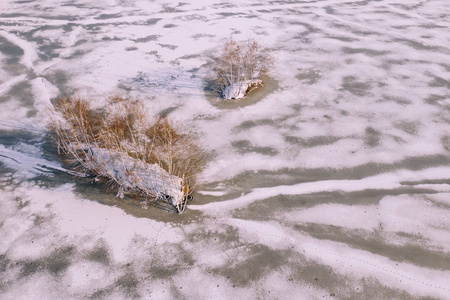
150 158
240 68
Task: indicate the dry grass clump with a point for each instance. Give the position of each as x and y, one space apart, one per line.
240 68
155 159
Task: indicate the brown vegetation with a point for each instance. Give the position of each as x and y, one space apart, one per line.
240 68
154 158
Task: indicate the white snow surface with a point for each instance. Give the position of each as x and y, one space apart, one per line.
330 182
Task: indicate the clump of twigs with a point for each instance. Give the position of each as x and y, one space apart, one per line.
151 158
240 68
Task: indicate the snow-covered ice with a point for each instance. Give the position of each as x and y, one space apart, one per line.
332 181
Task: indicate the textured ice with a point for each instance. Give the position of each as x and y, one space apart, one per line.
330 182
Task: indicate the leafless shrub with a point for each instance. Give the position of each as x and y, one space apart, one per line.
154 158
240 68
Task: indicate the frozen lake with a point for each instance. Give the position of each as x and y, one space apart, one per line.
332 182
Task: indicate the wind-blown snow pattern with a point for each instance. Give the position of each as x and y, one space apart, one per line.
330 182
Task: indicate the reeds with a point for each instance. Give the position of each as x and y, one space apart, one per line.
240 68
151 158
